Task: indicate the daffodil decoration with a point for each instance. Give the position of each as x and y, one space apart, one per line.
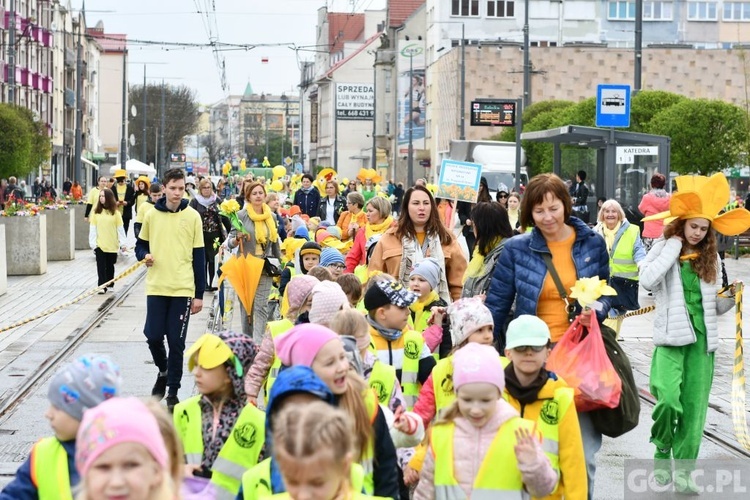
588 290
229 209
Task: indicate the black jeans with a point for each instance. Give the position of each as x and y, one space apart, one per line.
105 265
167 316
208 242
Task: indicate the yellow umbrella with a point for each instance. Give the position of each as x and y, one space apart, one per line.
243 272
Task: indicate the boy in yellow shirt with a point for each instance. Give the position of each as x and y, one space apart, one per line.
171 244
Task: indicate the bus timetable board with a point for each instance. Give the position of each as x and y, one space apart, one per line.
497 113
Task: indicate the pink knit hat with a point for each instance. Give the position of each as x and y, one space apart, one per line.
327 299
301 287
476 363
467 316
302 343
116 421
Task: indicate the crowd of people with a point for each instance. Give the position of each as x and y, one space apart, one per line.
405 360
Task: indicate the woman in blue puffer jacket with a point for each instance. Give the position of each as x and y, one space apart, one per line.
521 275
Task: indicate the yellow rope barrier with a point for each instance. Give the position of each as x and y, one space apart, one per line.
637 312
739 417
53 310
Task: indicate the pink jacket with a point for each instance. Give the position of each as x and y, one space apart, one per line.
652 204
470 447
356 254
425 405
258 371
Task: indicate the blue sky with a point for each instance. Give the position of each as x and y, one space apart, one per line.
236 21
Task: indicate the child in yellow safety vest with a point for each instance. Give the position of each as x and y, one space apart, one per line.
314 448
50 471
221 435
387 303
424 281
121 453
480 444
265 368
546 399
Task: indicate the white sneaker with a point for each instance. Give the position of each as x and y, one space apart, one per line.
102 291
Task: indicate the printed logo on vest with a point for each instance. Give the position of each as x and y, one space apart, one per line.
411 350
379 389
245 435
550 412
447 384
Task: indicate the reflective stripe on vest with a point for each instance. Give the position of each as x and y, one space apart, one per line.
491 482
353 494
49 470
239 453
548 423
383 381
413 345
621 261
442 382
276 328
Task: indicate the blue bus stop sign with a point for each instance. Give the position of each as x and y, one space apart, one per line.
613 106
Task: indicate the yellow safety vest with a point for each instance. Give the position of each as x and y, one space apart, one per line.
256 483
284 309
276 328
383 381
553 410
353 495
442 382
49 470
492 482
413 344
239 453
367 461
621 261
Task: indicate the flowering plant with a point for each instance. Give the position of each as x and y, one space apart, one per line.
19 208
229 209
588 290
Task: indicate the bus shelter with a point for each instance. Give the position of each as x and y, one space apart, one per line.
625 182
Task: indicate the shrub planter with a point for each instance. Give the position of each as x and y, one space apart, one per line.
82 228
25 244
61 234
3 266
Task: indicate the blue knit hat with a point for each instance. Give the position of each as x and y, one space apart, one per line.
302 233
330 256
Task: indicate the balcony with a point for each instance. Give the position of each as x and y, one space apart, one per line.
47 85
70 98
6 21
25 77
70 59
3 76
36 81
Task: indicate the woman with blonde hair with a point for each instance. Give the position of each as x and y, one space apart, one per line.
353 218
332 205
261 240
379 220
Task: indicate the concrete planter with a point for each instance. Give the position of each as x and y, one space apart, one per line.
25 244
3 266
82 228
60 234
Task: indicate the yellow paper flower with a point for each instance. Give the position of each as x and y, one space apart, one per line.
229 207
588 290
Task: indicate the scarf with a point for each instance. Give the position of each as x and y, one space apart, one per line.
413 253
373 229
524 394
265 227
660 193
417 308
610 234
206 202
689 256
476 265
389 334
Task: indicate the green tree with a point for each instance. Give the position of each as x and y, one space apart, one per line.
648 103
509 133
707 136
24 143
275 142
180 118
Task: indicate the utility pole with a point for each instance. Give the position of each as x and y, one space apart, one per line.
143 112
374 109
124 140
410 154
78 146
162 149
526 61
463 81
12 54
638 45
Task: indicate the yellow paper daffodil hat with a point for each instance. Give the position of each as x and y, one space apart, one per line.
704 197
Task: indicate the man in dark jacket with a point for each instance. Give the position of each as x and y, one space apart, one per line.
307 198
12 191
125 196
580 194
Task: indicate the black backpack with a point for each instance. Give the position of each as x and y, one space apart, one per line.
614 422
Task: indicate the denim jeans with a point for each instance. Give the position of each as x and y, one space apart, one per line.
592 442
167 316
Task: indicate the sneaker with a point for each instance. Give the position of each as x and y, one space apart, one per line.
171 403
160 387
684 484
102 291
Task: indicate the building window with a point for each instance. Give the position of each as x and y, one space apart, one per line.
387 124
388 80
736 11
465 8
657 11
702 11
500 8
621 10
314 121
543 43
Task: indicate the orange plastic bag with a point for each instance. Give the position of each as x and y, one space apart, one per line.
581 360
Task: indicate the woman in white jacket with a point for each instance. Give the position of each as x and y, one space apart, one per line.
682 271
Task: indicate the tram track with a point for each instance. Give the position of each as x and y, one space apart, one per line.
14 398
719 439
